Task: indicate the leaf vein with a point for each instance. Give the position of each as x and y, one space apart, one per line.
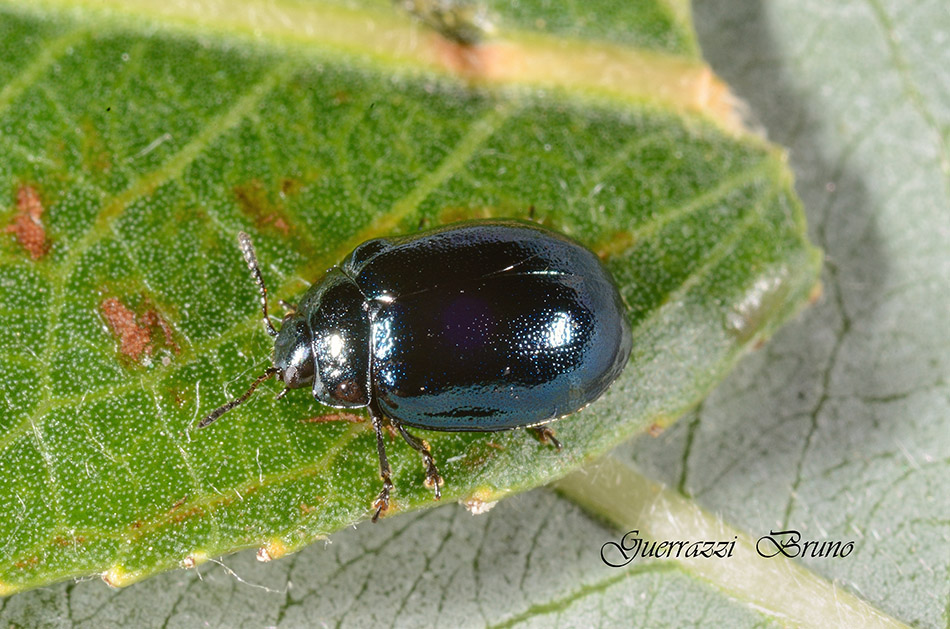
911 90
31 72
113 208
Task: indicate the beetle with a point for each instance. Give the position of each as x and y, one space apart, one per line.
478 326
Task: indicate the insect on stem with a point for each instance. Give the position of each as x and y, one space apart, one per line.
224 408
247 248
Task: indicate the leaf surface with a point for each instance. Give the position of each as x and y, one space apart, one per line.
150 134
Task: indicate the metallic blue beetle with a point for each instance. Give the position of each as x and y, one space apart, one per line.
477 326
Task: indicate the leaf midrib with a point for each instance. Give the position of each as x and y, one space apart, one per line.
792 593
582 67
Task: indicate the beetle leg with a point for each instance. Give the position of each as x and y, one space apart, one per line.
433 480
382 501
545 435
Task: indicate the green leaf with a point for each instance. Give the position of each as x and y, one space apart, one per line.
139 138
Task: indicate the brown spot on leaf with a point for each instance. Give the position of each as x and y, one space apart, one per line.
341 97
152 319
352 418
616 243
27 225
179 396
137 334
29 562
290 186
281 225
655 430
133 338
178 503
252 198
95 155
471 62
256 204
180 516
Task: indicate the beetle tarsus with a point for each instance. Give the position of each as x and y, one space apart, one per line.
381 504
433 479
546 435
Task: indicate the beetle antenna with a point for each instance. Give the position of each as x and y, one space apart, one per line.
247 248
224 408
